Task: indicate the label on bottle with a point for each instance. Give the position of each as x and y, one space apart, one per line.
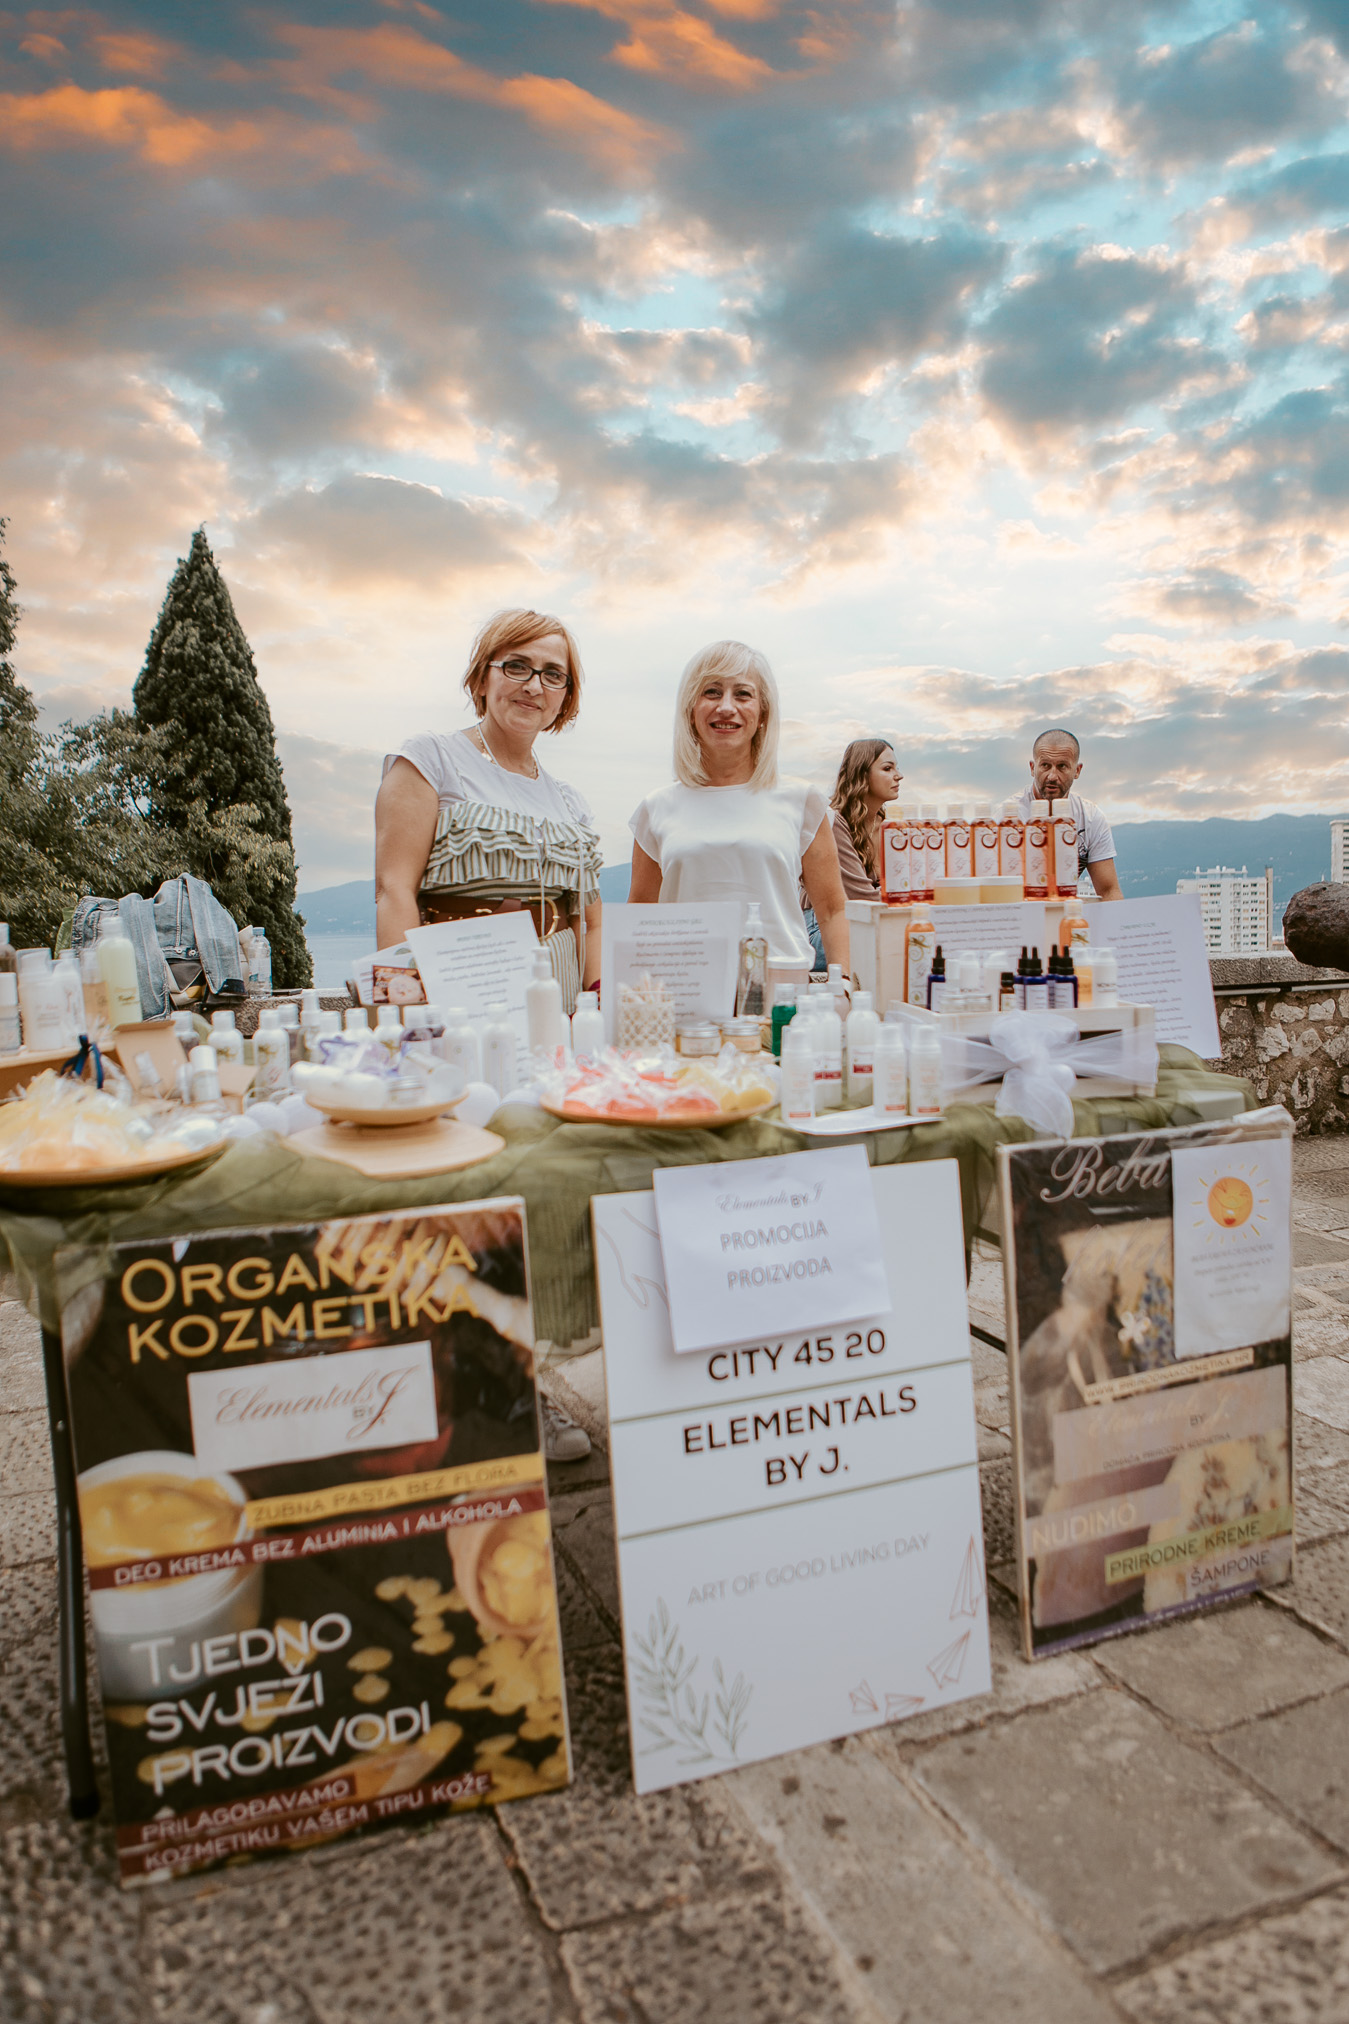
124 1005
1011 848
1065 855
889 1089
921 948
1037 859
935 847
10 1035
895 861
958 859
1079 933
984 843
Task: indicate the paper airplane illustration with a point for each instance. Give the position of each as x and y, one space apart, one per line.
948 1665
864 1702
897 1706
970 1587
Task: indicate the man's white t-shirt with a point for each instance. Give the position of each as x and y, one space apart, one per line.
1094 841
729 843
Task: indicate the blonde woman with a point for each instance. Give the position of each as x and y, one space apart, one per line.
468 822
729 828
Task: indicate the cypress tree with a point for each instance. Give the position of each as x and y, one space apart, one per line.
221 792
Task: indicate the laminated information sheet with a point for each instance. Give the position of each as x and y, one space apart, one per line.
316 1529
1150 1361
800 1548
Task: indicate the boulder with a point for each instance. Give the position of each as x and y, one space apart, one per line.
1316 926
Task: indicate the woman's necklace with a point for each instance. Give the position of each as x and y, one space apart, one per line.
492 759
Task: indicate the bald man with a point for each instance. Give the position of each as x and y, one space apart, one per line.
1055 763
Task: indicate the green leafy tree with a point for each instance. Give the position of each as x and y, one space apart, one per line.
30 886
218 787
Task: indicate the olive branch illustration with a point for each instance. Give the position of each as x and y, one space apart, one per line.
674 1714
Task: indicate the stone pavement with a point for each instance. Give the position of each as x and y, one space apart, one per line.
1158 1832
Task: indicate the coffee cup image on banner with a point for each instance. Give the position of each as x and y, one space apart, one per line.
1154 1474
316 1529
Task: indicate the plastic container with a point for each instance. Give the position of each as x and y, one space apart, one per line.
1104 978
797 1094
117 967
587 1026
66 970
896 887
955 892
543 1006
1063 851
259 966
356 1020
984 842
859 1045
271 1059
93 990
744 1034
1004 890
8 960
1084 963
890 1071
11 1026
925 1073
1038 846
751 984
42 1002
226 1039
838 989
959 857
499 1051
934 848
1012 842
204 1087
784 1011
827 1036
461 1046
920 945
1075 928
936 981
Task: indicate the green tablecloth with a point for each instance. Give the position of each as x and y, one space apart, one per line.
556 1168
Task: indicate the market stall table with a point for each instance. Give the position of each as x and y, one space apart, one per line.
555 1166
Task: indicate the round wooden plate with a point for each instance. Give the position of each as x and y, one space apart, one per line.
395 1116
712 1120
99 1177
438 1147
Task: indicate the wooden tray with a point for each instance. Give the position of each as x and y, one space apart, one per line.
99 1177
654 1121
397 1117
436 1147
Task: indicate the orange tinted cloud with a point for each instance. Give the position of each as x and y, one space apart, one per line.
136 55
404 58
123 116
685 48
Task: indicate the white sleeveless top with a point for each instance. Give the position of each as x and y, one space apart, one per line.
729 843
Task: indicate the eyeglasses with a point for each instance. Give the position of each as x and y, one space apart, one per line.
519 670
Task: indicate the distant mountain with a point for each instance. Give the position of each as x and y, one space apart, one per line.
1151 856
340 910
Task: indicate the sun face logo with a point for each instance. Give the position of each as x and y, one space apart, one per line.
1232 1205
1230 1202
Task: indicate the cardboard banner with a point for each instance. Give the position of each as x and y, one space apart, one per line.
1150 1359
798 1518
316 1528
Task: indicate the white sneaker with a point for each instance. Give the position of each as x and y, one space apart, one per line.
563 1440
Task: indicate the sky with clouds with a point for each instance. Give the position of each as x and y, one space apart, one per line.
985 363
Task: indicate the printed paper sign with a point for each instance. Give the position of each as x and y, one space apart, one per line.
479 964
315 1522
1233 1240
798 1519
1163 961
694 951
769 1244
1011 926
1150 1424
310 1407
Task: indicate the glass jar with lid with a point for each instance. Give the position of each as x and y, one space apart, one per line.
698 1036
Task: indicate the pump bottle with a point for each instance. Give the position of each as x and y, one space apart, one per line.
797 1099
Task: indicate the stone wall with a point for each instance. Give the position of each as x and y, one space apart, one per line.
1285 1027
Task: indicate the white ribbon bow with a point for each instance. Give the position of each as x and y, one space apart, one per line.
1039 1056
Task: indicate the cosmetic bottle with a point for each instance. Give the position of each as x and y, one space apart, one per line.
1007 992
271 1059
984 841
827 1035
959 862
797 1097
1037 851
751 984
499 1051
920 942
227 1042
784 1011
543 1005
117 967
66 970
1074 928
925 1073
8 960
1104 978
934 848
460 1045
1012 842
860 1033
896 887
587 1027
1063 854
936 981
11 1028
42 1002
890 1072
